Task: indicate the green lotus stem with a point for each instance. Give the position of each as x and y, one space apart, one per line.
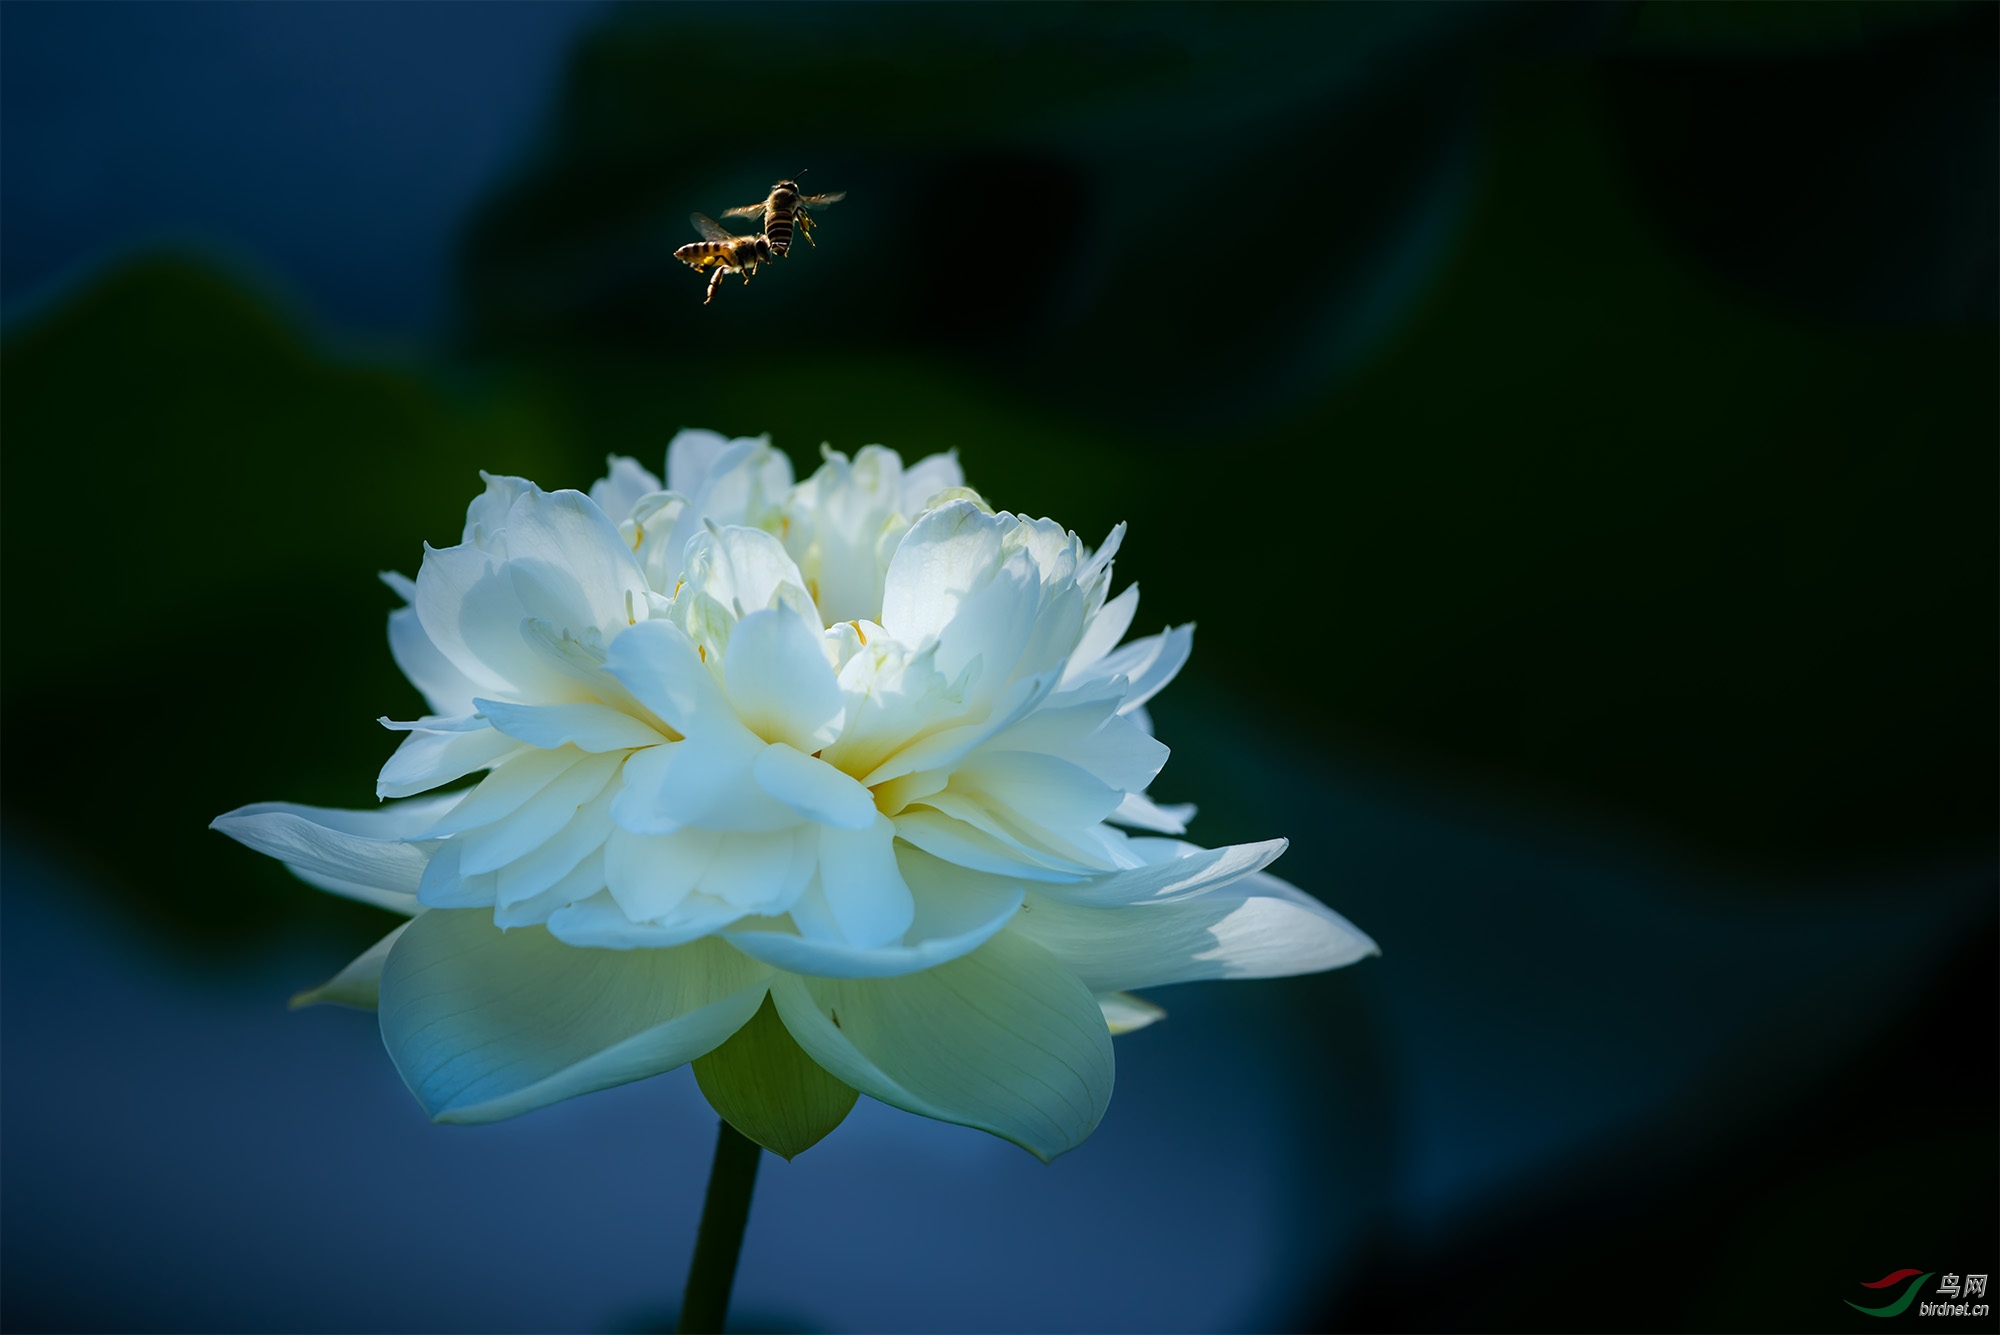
725 1211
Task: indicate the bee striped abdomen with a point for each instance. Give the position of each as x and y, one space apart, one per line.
778 228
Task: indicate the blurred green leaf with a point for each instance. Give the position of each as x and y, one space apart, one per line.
196 503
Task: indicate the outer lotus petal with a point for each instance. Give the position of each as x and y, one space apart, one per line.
1078 851
650 874
569 566
657 662
364 848
946 554
710 780
1124 1012
1090 734
1161 667
579 883
778 679
1038 788
1142 813
926 478
486 517
428 758
436 723
504 791
444 887
892 696
747 483
1256 927
539 819
864 888
957 911
1057 552
1004 1039
588 727
396 901
758 873
993 625
1102 633
704 462
358 985
839 517
691 456
1099 564
813 788
445 689
1174 870
598 921
741 568
1058 626
635 806
943 749
467 604
485 1025
956 841
654 521
624 482
525 878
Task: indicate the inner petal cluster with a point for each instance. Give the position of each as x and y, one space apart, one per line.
855 712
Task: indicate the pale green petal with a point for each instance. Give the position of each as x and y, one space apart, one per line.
955 912
484 1025
568 564
359 848
1140 812
1005 1039
432 756
927 477
393 900
1102 633
780 683
624 482
1254 927
1124 1012
950 552
359 984
588 726
1174 870
766 1087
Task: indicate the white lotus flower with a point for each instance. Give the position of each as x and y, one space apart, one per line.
859 744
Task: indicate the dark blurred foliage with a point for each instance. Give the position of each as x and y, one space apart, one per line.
1590 409
195 501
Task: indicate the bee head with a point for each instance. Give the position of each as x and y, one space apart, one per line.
792 186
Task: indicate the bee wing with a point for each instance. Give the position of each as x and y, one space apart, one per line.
746 210
710 229
821 201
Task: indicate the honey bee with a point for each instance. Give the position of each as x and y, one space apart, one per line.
779 210
723 252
